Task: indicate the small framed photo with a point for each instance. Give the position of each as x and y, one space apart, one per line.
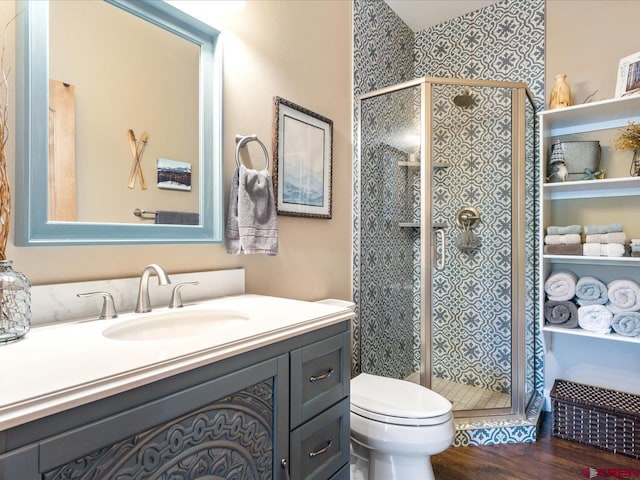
628 76
302 151
174 175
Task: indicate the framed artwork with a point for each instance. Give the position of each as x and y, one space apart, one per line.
302 151
174 175
628 76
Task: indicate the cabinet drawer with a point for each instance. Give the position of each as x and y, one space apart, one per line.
319 377
320 447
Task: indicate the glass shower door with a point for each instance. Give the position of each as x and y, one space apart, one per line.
390 321
471 205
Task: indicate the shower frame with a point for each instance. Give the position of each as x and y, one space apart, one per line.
519 95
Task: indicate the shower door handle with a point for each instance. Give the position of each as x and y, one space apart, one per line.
440 261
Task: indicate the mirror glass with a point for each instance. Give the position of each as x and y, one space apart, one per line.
121 113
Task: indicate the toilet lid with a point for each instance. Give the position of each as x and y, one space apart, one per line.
396 401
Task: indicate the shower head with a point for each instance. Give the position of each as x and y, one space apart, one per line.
463 100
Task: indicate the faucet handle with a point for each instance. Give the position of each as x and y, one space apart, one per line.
176 297
108 305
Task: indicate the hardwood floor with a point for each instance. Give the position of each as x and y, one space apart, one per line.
548 458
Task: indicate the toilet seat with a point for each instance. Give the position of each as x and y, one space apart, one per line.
397 402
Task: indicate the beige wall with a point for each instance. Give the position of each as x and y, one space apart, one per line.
586 40
301 51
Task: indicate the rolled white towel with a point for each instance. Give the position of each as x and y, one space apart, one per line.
568 239
591 291
613 237
595 318
624 296
561 286
591 249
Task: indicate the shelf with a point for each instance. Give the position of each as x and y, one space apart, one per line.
588 117
609 187
435 226
582 260
584 333
417 164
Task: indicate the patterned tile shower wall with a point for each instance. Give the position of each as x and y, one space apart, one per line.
504 41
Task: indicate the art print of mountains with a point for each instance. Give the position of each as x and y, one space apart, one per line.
303 188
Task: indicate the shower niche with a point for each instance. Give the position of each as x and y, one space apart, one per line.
460 321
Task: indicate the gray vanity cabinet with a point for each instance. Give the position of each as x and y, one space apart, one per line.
319 412
232 419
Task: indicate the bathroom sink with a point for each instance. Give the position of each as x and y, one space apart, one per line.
179 323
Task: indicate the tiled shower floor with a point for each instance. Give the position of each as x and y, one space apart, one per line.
466 397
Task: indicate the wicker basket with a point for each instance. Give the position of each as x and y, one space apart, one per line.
595 416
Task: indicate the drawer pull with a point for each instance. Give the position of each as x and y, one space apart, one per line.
323 450
327 374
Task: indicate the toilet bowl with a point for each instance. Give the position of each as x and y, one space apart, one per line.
396 426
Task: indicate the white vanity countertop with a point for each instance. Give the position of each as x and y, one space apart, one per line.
58 367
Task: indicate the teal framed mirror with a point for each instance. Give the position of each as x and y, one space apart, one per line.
156 106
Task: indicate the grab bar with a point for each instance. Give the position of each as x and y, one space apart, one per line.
241 141
440 261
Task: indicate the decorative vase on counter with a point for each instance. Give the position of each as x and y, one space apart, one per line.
561 93
15 302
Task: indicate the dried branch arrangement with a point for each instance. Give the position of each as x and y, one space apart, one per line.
5 188
629 138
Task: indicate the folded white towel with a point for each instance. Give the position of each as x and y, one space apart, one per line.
635 241
595 318
612 250
624 296
613 237
591 249
561 286
568 239
602 250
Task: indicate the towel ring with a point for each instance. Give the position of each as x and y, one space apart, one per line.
241 141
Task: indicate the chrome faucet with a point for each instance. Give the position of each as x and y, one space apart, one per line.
144 303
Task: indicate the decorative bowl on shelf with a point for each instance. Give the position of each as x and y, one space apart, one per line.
581 157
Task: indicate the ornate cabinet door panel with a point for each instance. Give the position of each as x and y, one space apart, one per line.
231 436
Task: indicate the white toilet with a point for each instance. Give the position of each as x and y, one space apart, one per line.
396 426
